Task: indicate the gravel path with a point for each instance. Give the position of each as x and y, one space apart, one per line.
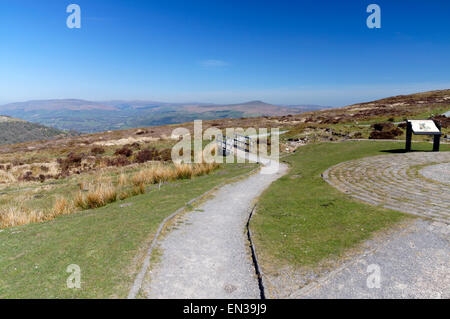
412 263
208 255
440 172
394 182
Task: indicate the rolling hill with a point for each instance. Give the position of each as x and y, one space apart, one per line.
106 119
14 130
89 116
398 107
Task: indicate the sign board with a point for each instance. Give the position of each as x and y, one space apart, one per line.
424 127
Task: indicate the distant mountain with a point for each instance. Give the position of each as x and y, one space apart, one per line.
14 130
309 107
96 116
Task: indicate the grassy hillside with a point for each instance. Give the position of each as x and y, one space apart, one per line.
295 218
88 117
18 131
107 243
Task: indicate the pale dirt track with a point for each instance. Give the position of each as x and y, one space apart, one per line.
413 262
208 255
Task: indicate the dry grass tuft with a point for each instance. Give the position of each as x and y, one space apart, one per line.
103 192
7 177
102 195
79 200
138 190
160 173
144 176
123 195
123 180
184 171
16 216
62 207
204 168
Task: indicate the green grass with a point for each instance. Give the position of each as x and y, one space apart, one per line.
106 243
302 221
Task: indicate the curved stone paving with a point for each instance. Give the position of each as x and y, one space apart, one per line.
394 182
439 172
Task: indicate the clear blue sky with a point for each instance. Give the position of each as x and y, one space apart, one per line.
290 52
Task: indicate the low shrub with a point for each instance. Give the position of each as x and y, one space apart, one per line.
385 131
72 160
135 145
166 155
118 161
17 162
45 169
124 151
27 177
150 154
97 150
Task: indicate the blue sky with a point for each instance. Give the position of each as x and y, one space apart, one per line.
289 52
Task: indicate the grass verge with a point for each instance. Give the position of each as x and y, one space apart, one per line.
301 220
107 243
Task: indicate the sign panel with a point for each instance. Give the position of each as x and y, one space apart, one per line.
424 127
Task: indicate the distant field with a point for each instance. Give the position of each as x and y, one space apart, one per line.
89 116
107 243
301 220
99 120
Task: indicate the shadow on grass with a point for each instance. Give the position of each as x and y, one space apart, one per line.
402 150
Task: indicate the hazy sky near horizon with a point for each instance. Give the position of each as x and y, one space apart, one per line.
285 52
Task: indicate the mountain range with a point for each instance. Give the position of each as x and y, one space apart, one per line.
88 116
97 116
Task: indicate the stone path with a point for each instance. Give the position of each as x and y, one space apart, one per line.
413 262
208 255
394 182
440 172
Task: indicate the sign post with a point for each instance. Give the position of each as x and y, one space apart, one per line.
437 138
408 136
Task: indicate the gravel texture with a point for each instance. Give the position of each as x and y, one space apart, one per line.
208 255
439 173
394 182
413 263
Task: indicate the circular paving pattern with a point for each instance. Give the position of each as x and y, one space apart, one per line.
439 173
394 182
